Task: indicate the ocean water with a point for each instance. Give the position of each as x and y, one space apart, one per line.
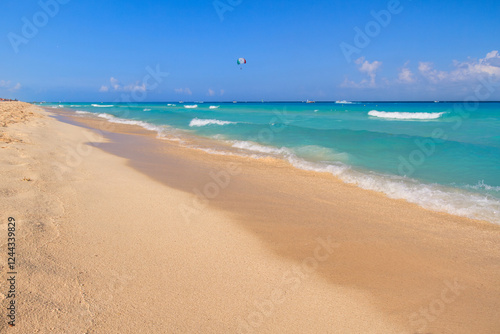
442 156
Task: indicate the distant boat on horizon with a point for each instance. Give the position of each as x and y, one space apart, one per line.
309 101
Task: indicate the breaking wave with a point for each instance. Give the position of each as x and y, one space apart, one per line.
203 122
405 115
103 105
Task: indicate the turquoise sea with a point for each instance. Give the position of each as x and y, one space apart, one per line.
443 156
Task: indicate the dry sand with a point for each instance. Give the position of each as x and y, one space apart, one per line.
125 243
14 112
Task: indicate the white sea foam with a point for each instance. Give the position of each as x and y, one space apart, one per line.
191 106
405 115
214 107
483 186
103 105
146 110
82 112
430 196
254 147
320 153
203 122
169 138
245 154
145 125
309 152
212 151
171 105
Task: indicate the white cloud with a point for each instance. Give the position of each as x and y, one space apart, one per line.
424 80
10 86
367 68
183 91
468 70
117 87
135 88
427 71
211 92
349 83
114 83
489 65
16 87
221 92
406 75
492 54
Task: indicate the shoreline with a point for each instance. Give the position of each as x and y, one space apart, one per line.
202 147
254 223
459 201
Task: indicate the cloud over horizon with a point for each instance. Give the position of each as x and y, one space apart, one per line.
464 71
464 75
367 68
117 87
406 75
186 91
11 87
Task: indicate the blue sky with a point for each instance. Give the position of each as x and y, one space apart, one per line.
101 51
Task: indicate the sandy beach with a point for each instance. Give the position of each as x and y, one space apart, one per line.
121 232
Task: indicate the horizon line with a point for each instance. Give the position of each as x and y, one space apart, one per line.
275 101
